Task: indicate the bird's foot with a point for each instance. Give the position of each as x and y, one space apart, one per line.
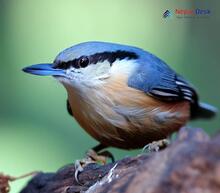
156 145
91 157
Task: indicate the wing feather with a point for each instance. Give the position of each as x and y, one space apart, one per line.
156 78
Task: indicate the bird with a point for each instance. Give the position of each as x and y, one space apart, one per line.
123 96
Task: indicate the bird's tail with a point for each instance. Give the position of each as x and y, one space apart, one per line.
204 111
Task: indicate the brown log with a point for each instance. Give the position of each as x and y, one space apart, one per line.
191 164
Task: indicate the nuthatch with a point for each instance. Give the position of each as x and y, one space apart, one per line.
123 96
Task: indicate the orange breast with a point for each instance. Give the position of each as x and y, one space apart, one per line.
120 116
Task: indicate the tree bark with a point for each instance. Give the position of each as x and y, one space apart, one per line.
190 164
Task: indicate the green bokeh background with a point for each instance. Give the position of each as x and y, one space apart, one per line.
36 132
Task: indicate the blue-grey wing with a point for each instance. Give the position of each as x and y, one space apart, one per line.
156 78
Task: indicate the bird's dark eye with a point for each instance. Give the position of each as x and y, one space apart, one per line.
83 61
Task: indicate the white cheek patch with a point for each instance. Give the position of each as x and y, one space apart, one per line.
71 71
123 67
96 70
102 68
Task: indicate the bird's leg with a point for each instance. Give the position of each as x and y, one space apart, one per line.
156 145
92 156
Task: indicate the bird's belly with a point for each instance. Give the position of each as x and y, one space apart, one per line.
126 118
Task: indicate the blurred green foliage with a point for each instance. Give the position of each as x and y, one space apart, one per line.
36 132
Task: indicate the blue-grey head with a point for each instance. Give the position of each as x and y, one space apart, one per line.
89 63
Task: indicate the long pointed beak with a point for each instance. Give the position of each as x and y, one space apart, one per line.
44 70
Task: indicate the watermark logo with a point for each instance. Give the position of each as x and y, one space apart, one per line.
188 13
167 14
192 13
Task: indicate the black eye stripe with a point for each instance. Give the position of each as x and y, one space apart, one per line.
112 56
98 57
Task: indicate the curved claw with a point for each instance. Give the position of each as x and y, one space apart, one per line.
78 170
91 157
